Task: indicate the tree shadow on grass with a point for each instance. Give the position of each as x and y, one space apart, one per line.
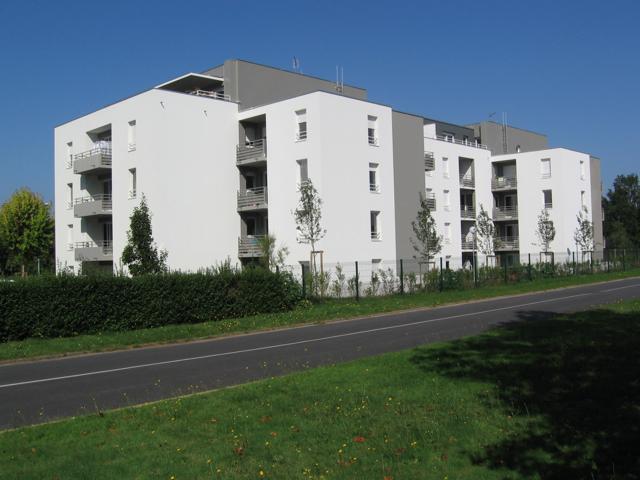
576 377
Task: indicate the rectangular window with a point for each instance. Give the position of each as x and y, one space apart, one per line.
374 186
303 171
445 167
301 125
547 198
375 225
69 161
447 233
447 200
545 167
69 195
70 237
133 183
131 135
372 130
430 198
583 172
582 199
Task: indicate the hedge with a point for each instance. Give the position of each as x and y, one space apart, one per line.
60 306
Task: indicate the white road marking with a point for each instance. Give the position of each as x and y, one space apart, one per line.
620 288
283 345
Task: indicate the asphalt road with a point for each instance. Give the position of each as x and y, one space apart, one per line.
40 391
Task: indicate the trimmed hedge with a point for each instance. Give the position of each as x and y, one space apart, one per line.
67 305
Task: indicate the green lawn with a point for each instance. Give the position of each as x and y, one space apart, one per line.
556 398
318 312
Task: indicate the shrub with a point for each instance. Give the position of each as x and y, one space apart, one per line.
68 305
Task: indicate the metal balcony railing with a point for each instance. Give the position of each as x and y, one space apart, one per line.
548 206
429 161
467 212
467 143
467 181
373 140
505 213
98 158
466 244
301 136
376 236
374 187
249 246
252 199
507 243
90 251
252 152
217 95
431 200
100 204
504 183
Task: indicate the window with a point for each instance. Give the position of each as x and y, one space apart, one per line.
250 224
583 173
545 167
69 161
301 125
375 264
430 198
374 186
547 198
445 167
375 225
447 200
70 237
303 171
582 199
372 130
448 136
69 195
447 233
518 149
133 183
131 135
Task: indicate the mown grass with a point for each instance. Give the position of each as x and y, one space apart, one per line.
311 313
554 398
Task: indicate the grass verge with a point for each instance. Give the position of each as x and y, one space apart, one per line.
318 312
558 397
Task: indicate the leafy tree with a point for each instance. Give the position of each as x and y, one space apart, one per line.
583 234
27 228
622 213
308 216
272 257
140 254
427 243
545 230
486 233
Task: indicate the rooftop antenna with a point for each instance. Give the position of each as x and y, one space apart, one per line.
339 79
504 132
296 64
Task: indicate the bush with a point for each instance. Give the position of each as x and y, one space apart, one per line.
67 305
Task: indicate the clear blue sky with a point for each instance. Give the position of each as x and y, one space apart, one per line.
570 69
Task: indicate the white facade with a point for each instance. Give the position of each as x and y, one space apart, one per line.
217 176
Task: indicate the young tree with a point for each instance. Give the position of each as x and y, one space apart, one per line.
545 230
272 257
27 228
622 213
308 216
140 254
485 233
427 243
583 234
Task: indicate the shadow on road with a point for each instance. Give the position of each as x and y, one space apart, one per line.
575 377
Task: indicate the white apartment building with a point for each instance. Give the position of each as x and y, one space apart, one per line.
219 157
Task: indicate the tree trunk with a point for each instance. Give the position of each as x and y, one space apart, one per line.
23 273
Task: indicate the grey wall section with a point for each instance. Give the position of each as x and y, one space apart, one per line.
408 177
596 202
458 131
490 134
254 85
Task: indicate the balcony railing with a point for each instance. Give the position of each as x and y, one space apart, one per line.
376 236
92 205
90 251
206 93
249 246
548 206
98 158
252 199
504 183
252 152
507 243
431 200
505 213
467 181
429 161
466 244
466 143
467 212
373 140
301 136
374 187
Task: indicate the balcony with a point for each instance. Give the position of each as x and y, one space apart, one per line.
374 188
249 246
466 143
253 154
429 161
506 243
207 93
92 205
96 160
376 236
431 200
467 181
505 213
467 212
373 141
466 243
504 183
253 199
90 251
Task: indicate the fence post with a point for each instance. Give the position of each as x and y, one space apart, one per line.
304 282
357 283
401 278
529 268
441 280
